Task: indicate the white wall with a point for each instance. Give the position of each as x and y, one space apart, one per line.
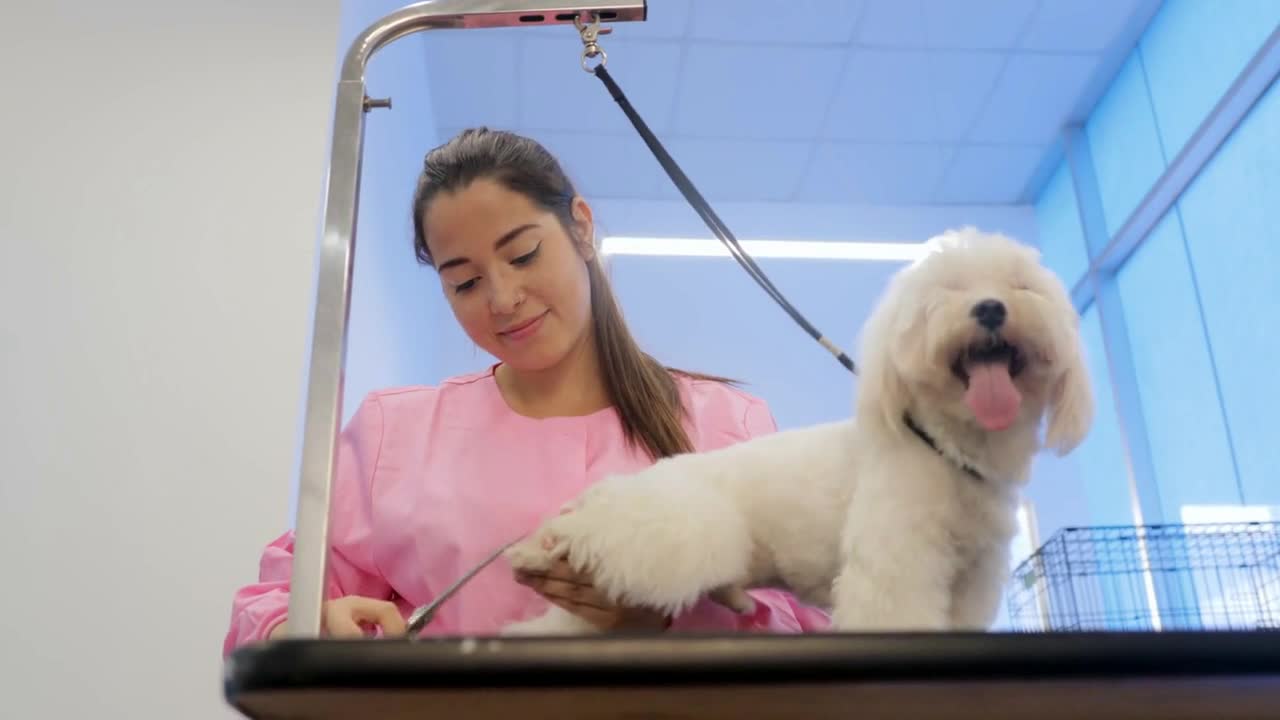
161 167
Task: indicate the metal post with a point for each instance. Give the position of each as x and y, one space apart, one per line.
1230 111
333 291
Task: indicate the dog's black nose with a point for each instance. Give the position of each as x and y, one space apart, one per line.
989 314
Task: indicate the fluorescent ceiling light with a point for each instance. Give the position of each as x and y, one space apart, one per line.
793 249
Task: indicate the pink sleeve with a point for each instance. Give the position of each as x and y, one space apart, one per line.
258 608
758 420
776 611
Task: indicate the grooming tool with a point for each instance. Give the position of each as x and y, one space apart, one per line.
422 616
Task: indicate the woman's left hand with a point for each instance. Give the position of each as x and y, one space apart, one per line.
575 593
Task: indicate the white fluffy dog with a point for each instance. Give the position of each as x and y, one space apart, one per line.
898 519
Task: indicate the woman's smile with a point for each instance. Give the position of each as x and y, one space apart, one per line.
525 329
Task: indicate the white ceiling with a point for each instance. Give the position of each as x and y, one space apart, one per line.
833 101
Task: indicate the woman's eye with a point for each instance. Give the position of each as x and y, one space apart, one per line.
463 287
527 257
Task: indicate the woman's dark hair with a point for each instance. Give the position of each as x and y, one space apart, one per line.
643 391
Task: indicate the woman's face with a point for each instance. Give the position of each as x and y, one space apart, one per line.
515 279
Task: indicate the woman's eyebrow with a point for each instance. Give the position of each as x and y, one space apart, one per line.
507 237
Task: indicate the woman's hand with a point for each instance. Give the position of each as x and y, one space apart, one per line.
575 593
355 616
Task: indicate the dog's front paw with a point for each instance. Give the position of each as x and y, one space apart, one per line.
660 540
537 552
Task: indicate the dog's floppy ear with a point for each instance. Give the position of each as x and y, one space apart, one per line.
1070 402
881 388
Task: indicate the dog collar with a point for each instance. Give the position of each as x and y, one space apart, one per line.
928 440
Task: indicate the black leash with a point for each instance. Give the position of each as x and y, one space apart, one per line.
590 33
709 216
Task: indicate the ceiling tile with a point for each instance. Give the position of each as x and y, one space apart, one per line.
769 21
741 104
989 174
556 94
935 24
1079 25
962 86
481 95
892 24
604 166
738 170
909 96
884 95
753 92
868 173
976 24
1034 98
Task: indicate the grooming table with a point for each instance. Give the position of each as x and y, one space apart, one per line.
1097 676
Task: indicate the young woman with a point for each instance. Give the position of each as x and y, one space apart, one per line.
430 480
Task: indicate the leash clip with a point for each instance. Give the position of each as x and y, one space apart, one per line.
590 34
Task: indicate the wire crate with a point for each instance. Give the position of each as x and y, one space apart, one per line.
1155 577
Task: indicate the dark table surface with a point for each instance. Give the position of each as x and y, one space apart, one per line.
945 675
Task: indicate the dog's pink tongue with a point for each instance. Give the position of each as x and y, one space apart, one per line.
991 396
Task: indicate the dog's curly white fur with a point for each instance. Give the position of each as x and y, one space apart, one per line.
977 346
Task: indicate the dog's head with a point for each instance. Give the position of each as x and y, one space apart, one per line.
980 331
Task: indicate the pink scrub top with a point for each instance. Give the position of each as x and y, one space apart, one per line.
431 480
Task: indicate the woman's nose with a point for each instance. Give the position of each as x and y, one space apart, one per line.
504 297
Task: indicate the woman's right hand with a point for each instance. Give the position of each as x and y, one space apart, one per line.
352 617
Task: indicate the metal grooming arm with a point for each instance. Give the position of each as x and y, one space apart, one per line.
322 422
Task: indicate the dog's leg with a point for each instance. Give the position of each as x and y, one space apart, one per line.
978 590
889 594
660 539
734 597
555 621
899 566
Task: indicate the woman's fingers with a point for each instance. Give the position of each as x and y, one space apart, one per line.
599 617
349 616
562 570
383 614
562 582
572 592
340 623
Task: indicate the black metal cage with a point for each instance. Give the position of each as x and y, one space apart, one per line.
1155 577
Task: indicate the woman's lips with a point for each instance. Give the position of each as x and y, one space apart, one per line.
524 329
